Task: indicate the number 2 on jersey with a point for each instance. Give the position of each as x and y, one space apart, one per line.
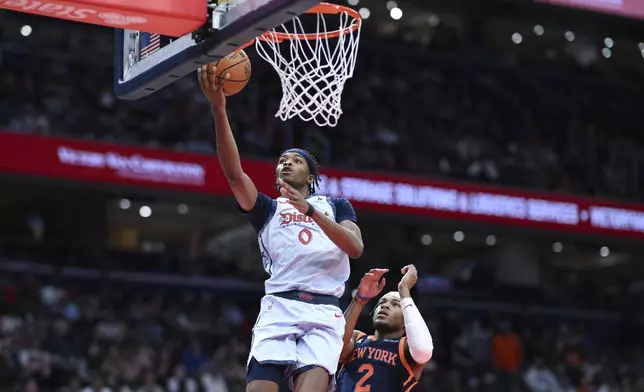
367 371
305 236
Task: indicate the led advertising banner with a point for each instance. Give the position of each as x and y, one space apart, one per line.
160 169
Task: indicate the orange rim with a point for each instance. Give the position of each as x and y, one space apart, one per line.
321 8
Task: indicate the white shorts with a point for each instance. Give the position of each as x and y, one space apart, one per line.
297 334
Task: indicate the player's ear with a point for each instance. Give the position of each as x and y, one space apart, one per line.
311 179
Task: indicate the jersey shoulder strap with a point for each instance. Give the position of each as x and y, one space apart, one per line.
363 338
407 362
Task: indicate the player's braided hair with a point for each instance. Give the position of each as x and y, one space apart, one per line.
314 167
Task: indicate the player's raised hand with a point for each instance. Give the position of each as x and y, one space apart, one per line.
296 199
409 279
212 86
372 283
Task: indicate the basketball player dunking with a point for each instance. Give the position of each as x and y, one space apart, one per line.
306 240
393 358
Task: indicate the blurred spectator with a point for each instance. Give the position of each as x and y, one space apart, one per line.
479 343
179 382
539 378
192 358
97 385
150 383
507 355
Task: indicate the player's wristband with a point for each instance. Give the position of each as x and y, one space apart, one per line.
361 299
311 210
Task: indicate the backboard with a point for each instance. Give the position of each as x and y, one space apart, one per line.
147 62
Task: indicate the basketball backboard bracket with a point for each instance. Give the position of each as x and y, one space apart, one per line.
225 30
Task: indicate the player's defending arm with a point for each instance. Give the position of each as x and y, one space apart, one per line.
227 152
419 340
370 286
345 234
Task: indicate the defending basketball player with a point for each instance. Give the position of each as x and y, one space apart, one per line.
393 358
306 240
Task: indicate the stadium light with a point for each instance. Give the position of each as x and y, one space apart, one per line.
490 240
607 53
426 239
570 36
125 204
557 247
539 30
396 13
604 251
145 212
25 30
391 4
353 2
182 208
459 236
364 13
517 38
609 42
434 20
641 46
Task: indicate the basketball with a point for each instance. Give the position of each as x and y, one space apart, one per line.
236 64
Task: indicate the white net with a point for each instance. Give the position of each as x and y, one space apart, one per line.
313 67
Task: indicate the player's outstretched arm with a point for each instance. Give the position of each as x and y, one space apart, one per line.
419 340
227 152
370 286
345 233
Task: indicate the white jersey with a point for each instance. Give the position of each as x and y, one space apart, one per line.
296 253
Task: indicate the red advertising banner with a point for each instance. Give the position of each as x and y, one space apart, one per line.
97 162
628 8
168 17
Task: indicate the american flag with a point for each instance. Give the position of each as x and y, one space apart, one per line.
150 43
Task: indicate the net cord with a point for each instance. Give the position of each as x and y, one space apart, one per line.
312 72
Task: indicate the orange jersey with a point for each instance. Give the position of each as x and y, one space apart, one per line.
506 351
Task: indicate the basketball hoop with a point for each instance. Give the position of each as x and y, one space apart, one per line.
313 67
